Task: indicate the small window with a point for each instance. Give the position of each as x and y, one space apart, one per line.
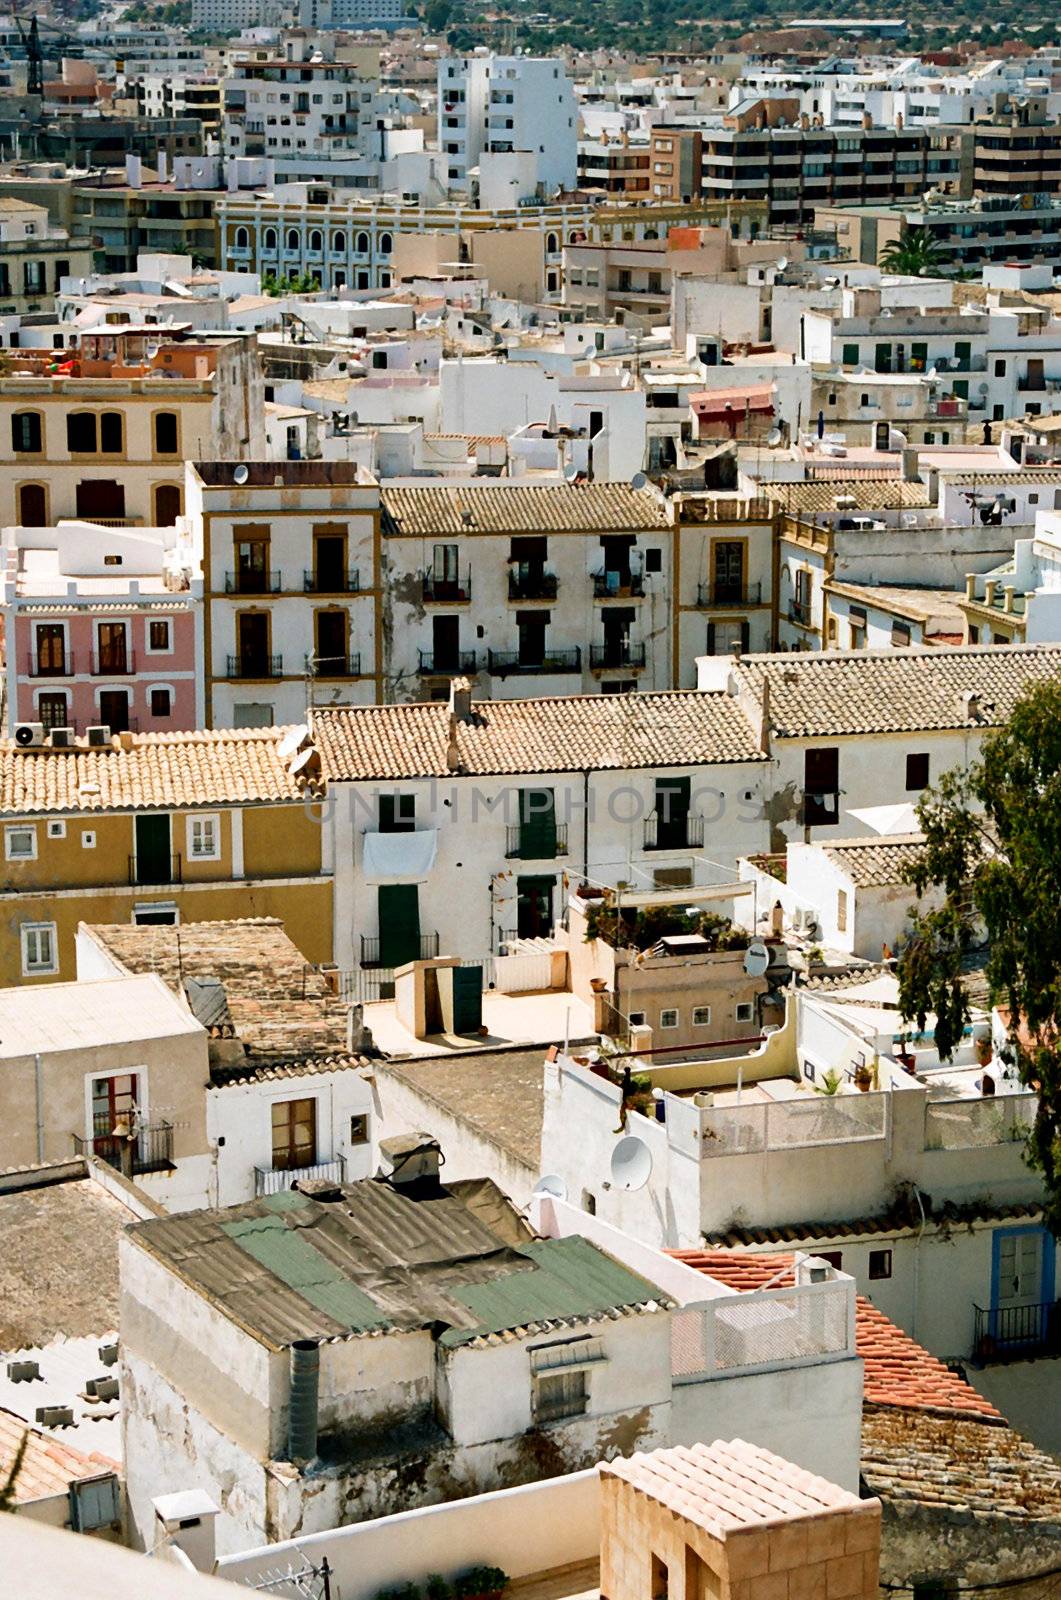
38 949
112 561
880 1263
156 914
359 1128
560 1394
397 813
20 843
701 1016
636 1019
161 703
589 1202
57 830
917 771
745 1011
654 560
81 432
834 1258
204 837
158 635
88 839
668 1017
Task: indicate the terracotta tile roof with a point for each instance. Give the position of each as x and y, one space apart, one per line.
49 1467
897 1221
158 770
898 1371
894 691
562 734
723 1487
876 863
960 1466
869 494
512 508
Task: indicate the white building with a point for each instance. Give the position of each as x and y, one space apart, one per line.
490 104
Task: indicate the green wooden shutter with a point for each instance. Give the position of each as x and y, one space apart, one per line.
399 923
537 824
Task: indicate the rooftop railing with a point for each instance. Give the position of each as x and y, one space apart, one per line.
764 1328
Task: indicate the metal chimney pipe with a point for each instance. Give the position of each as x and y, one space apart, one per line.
305 1386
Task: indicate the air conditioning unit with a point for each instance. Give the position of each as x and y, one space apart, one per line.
98 734
29 735
61 738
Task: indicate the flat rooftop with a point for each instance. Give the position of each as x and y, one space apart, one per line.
542 1018
89 1015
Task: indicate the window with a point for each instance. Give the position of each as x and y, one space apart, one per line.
204 837
668 1017
386 244
161 702
20 843
832 1258
242 239
701 1016
26 438
560 1394
51 711
156 914
316 240
880 1263
88 839
339 242
294 1128
269 239
81 433
821 787
654 560
900 635
841 910
158 634
917 770
636 1019
292 238
165 433
57 830
745 1011
359 1128
38 949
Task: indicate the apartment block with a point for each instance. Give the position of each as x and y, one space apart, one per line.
35 255
499 104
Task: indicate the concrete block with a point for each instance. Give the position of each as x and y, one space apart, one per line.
747 1553
843 1578
862 1530
826 1538
788 1546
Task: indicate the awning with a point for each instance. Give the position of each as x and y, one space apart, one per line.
889 819
715 402
400 857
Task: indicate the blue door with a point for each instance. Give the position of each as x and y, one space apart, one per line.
1022 1315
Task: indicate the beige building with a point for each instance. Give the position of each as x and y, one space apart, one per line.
102 434
34 256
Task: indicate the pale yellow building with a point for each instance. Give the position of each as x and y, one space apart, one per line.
157 828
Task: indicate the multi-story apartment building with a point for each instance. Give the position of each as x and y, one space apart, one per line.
181 827
229 16
182 94
310 118
497 104
615 166
346 241
1017 149
102 434
675 162
967 234
128 218
291 566
102 628
34 256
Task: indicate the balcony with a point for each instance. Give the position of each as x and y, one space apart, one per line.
61 667
763 1328
1017 1332
718 595
433 665
532 585
253 583
348 666
799 613
605 657
536 843
673 833
618 585
114 664
255 666
151 872
149 1149
370 950
331 583
441 591
503 662
271 1180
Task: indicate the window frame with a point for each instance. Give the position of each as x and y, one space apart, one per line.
364 1135
26 450
878 1258
158 650
39 969
699 1020
669 1011
13 828
196 820
747 1007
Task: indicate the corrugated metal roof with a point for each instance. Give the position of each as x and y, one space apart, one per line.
291 1266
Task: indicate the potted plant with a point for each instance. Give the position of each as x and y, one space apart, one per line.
985 1049
863 1078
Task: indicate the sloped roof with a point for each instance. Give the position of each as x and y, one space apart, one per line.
876 863
870 494
561 734
512 508
894 691
898 1371
960 1466
48 1467
158 771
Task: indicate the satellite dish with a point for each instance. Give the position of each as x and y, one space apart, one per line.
241 473
782 263
756 959
638 480
551 1184
292 742
774 437
305 763
631 1163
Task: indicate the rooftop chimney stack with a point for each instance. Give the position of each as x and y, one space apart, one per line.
410 1158
460 699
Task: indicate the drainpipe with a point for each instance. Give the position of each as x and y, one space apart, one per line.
585 822
38 1074
305 1388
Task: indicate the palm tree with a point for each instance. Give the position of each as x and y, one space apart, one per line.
914 254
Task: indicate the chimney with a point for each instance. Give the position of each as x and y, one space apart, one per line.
305 1362
163 166
970 586
764 727
911 473
410 1158
187 1520
453 755
460 699
990 586
1007 596
133 171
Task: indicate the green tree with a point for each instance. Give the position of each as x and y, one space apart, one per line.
914 254
993 847
436 15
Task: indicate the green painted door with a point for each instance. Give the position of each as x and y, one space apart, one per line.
399 923
467 999
537 825
153 849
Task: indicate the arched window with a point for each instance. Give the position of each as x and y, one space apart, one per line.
339 242
552 244
316 240
292 239
269 239
386 244
165 433
27 435
361 244
243 239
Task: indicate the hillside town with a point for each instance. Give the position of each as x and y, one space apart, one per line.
531 750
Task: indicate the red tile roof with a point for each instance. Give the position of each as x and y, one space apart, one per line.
898 1371
48 1466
